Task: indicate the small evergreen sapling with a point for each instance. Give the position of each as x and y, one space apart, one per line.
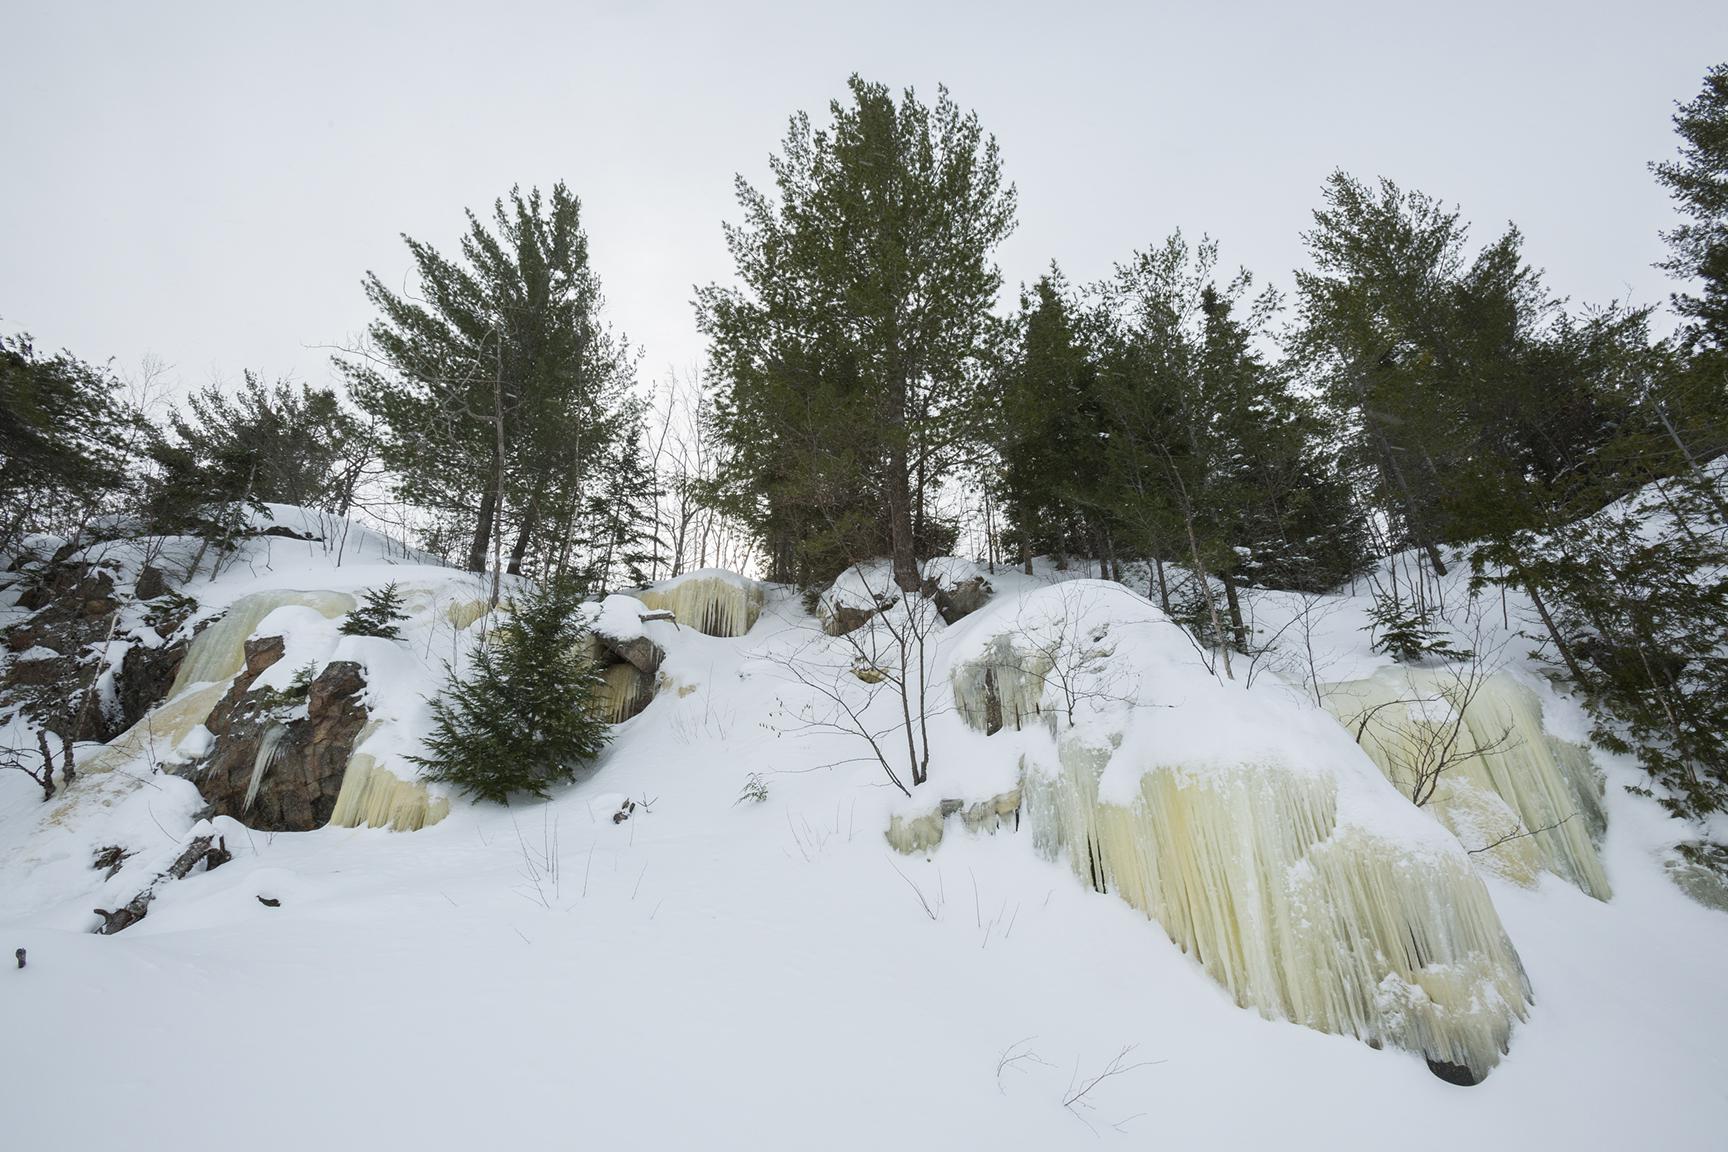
378 616
528 713
1408 634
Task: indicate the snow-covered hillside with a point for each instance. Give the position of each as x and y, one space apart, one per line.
744 960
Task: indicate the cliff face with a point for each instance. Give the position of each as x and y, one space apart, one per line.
277 758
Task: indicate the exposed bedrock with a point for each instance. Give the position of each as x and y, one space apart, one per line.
277 758
76 668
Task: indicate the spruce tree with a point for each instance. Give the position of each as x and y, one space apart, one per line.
1698 182
378 615
526 714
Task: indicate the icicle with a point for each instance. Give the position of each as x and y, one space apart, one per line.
372 796
1002 688
624 692
1537 800
269 748
1298 917
711 601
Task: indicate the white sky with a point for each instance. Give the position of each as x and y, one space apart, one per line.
208 183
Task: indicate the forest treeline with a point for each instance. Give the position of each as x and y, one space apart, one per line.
1420 391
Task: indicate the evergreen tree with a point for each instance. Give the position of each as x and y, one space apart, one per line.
378 615
63 433
623 542
526 715
1698 181
1636 598
261 445
494 382
1215 458
848 363
1049 429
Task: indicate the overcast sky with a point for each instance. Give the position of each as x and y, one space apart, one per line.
207 183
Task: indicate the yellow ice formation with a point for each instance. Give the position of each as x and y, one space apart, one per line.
214 657
624 691
1002 688
1522 799
370 795
463 613
374 797
712 602
1332 926
921 832
220 650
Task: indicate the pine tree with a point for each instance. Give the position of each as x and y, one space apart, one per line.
62 429
378 615
1049 429
1638 596
849 361
1698 181
225 453
1215 459
494 382
526 714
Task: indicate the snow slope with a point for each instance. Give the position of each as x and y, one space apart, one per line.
712 973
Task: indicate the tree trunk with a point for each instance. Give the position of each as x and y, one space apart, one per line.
1560 644
483 529
1163 587
1389 468
904 555
530 521
1235 604
1206 586
1026 538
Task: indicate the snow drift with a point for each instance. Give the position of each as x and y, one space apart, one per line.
1245 822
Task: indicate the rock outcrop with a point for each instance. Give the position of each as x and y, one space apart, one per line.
277 758
90 661
628 667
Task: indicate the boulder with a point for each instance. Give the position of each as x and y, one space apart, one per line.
955 601
639 651
151 583
271 767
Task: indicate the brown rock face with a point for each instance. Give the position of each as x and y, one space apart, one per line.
74 608
151 583
304 756
146 674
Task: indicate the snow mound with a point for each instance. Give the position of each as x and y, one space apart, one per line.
710 600
1245 821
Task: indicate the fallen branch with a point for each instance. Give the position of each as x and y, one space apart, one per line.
209 850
